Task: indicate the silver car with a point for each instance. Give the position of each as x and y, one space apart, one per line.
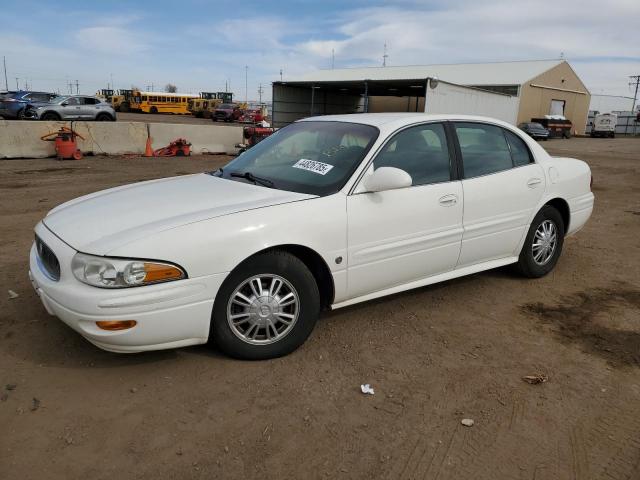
71 107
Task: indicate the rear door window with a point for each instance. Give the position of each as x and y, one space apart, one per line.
484 149
520 153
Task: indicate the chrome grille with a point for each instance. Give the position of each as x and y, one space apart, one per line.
47 260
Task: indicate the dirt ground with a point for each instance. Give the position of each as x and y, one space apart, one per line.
434 356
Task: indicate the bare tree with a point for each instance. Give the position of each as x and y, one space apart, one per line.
170 88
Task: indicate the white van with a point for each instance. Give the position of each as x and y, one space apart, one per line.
604 125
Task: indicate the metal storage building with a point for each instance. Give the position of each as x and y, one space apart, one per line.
512 91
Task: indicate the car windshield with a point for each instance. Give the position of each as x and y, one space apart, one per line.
307 157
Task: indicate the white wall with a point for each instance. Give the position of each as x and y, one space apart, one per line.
448 98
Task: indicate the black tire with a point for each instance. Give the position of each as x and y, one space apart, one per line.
613 135
153 110
20 114
51 116
527 265
104 117
124 107
214 118
294 271
179 153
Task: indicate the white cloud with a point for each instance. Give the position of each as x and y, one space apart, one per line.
471 31
597 39
110 39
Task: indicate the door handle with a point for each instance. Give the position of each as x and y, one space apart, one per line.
534 182
448 200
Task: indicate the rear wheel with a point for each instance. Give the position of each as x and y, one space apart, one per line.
266 308
103 117
543 244
51 116
153 110
124 107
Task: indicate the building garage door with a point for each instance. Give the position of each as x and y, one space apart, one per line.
557 107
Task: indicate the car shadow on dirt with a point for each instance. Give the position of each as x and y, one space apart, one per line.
575 320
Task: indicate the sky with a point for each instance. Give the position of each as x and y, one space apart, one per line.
207 45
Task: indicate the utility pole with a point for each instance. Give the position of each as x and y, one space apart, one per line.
333 58
280 74
6 83
635 95
246 83
260 92
17 87
384 55
77 87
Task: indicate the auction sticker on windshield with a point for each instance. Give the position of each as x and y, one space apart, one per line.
313 166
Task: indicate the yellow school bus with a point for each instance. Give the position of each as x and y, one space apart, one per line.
161 102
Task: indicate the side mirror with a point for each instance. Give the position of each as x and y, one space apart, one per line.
64 104
387 178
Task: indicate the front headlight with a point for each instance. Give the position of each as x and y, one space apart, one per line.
121 273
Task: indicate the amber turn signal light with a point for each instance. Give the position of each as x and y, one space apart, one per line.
158 273
113 325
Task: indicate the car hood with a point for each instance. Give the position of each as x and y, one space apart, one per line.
99 222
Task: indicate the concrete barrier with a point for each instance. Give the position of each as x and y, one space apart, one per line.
21 139
203 138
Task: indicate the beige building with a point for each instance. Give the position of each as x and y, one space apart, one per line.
537 88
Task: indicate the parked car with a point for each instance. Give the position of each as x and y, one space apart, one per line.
13 104
326 212
534 130
71 107
226 112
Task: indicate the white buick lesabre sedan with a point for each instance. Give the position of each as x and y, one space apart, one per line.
325 213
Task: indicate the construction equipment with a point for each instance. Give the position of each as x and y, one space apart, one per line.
105 94
180 147
65 143
122 101
253 135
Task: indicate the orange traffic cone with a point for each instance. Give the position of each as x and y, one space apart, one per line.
148 151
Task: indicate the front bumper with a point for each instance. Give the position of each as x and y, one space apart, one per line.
169 315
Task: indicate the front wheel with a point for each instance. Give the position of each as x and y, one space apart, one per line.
266 308
543 244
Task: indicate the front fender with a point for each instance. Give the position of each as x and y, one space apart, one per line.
220 244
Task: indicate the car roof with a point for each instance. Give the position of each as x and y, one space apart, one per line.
400 119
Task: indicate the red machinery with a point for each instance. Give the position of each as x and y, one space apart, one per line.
180 147
254 135
65 143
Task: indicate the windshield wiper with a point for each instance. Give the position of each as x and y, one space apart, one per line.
252 178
